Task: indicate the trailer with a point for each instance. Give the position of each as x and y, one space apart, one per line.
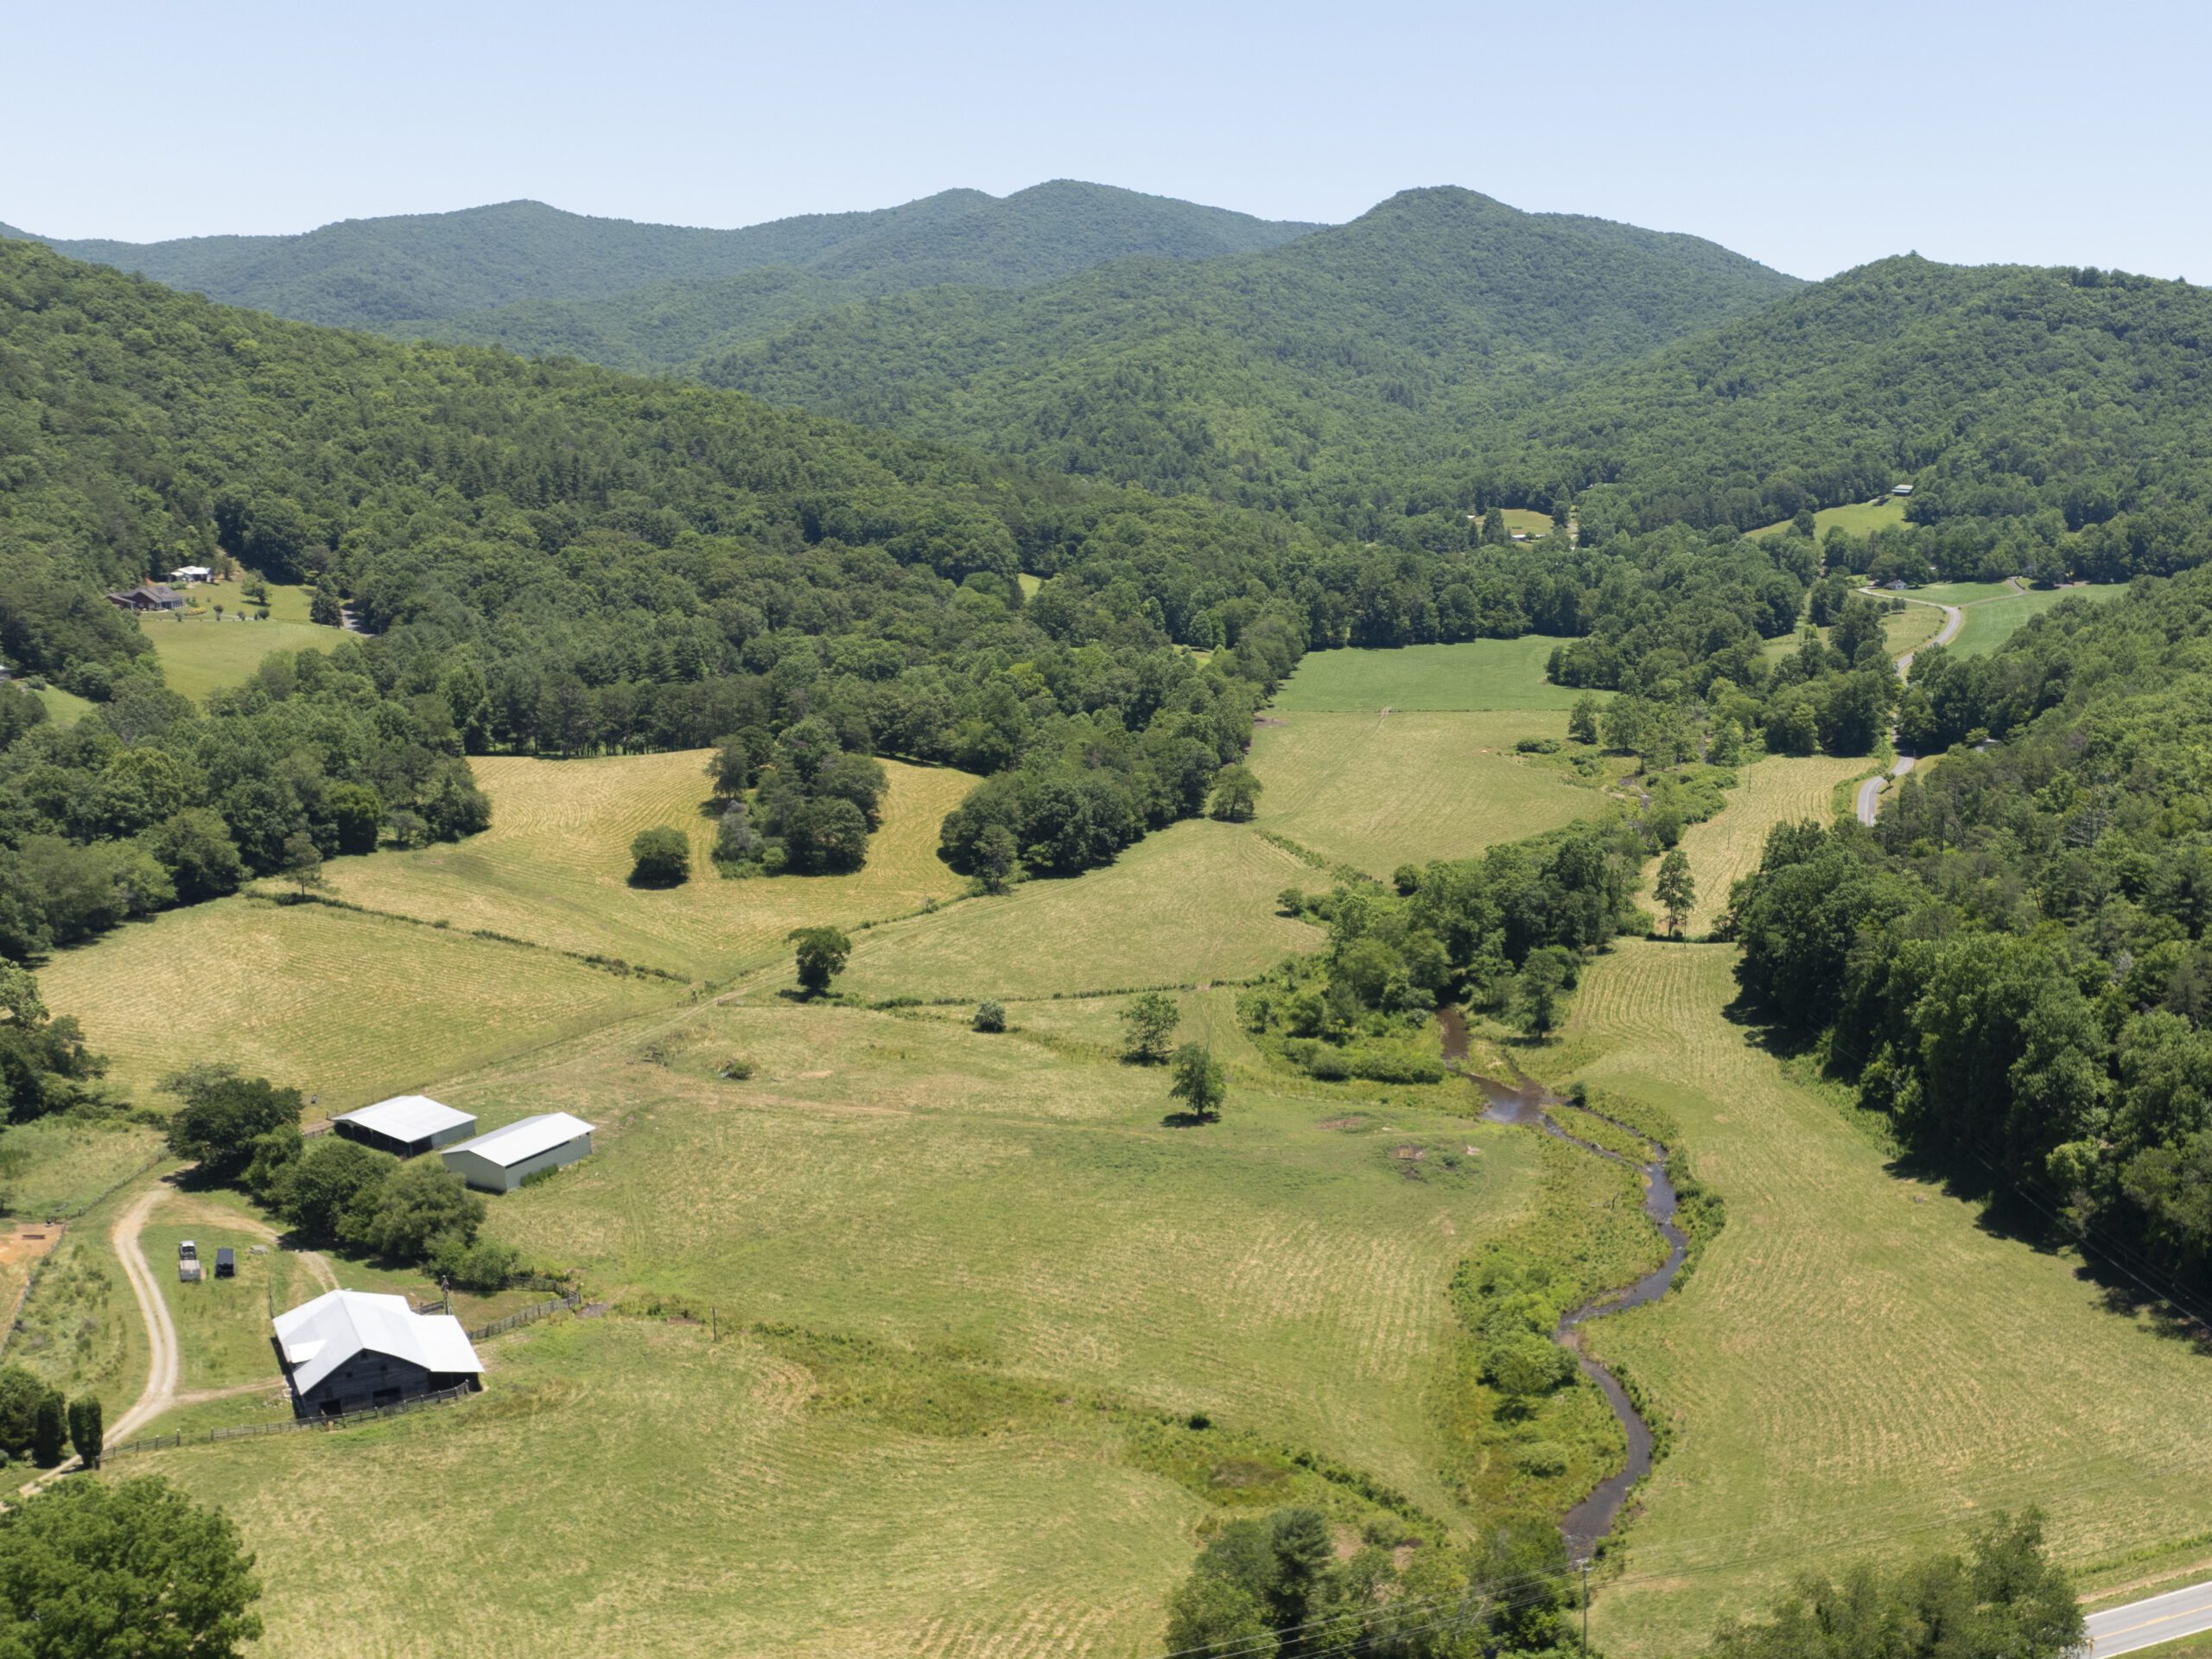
226 1263
187 1262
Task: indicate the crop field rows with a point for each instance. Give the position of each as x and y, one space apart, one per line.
1778 1363
1725 849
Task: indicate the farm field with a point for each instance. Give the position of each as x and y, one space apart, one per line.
1778 1363
53 1166
1193 902
346 1007
204 653
1526 520
1726 848
554 867
1377 791
1990 622
1478 674
1852 518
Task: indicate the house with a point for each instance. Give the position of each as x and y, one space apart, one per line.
348 1350
1902 489
190 573
503 1159
148 596
405 1126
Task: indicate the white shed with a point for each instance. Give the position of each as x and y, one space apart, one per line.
503 1159
405 1125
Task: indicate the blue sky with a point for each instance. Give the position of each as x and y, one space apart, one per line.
1813 137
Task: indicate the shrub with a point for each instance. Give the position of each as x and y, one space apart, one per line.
736 1069
662 858
990 1016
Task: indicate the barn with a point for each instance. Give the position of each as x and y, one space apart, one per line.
406 1125
348 1350
503 1159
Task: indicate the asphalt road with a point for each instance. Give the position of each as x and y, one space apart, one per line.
1870 792
2146 1624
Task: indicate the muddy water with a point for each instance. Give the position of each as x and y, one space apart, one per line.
1527 1104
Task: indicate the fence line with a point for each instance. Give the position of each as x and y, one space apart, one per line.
524 1316
243 1431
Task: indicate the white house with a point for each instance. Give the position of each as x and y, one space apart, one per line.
1902 489
348 1350
405 1125
190 573
503 1159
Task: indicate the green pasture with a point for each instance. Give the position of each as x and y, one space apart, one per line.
203 652
1859 518
1989 623
1478 674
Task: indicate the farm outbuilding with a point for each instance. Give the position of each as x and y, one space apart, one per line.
348 1350
503 1159
405 1126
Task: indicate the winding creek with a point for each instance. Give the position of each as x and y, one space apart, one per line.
1530 1105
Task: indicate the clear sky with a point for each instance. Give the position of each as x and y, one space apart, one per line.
1812 135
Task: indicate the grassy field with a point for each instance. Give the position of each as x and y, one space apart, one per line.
1526 520
347 1007
554 867
1480 674
937 1258
1990 622
1725 849
1961 592
1854 519
1378 791
53 1166
1857 1355
62 707
1194 902
205 653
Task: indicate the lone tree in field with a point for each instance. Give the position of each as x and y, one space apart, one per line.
821 954
990 1016
93 1566
1149 1020
1677 889
1582 724
1199 1081
302 867
662 858
1236 794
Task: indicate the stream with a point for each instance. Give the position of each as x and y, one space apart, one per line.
1528 1103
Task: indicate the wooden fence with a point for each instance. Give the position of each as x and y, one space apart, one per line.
290 1425
569 1303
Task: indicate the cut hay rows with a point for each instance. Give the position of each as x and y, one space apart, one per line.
1479 674
1194 902
347 1007
1856 1354
554 864
1377 791
1725 849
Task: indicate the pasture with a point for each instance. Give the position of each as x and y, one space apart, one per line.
1193 902
1989 623
1860 519
1726 848
1779 1364
58 1167
346 1007
554 868
1478 674
62 707
203 652
1377 791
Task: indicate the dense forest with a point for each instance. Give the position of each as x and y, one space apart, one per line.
534 279
2015 965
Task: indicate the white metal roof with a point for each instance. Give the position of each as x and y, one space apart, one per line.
524 1138
408 1117
319 1336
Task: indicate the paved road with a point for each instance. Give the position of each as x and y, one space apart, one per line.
1870 792
2144 1623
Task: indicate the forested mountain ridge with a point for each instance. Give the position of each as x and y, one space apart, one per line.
456 273
1293 376
2000 391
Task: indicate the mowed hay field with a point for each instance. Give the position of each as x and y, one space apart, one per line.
1478 674
1377 791
1193 902
348 1006
554 868
1989 623
1855 1355
1725 849
205 653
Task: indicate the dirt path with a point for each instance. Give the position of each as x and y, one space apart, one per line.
1870 792
160 1391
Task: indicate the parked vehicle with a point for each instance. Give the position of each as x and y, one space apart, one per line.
226 1263
187 1262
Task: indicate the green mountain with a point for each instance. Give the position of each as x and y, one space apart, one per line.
1291 376
2059 396
524 274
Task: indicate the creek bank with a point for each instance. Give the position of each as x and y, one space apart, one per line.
1527 1104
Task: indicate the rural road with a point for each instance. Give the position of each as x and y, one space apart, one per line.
1870 792
2144 1623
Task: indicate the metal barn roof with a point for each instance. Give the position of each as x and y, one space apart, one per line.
319 1336
406 1117
524 1138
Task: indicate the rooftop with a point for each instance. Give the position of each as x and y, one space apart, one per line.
524 1138
406 1117
319 1336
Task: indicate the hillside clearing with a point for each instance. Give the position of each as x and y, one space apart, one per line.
1378 791
1725 849
347 1007
1479 674
1779 1362
1989 623
554 868
1853 519
204 653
